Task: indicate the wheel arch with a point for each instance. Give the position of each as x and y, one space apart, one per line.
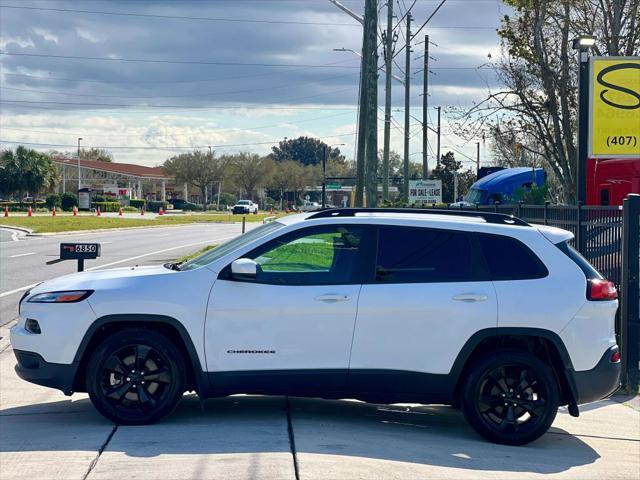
169 326
544 344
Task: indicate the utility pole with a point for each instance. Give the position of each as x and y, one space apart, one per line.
477 158
371 58
362 128
387 100
425 116
438 144
79 176
407 92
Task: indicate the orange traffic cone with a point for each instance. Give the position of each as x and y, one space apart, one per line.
98 212
29 212
53 212
141 210
75 211
120 212
6 211
161 211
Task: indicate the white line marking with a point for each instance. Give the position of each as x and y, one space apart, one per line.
22 255
22 289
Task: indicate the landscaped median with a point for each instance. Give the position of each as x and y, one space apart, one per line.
69 223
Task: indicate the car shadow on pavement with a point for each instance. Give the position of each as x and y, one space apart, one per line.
419 434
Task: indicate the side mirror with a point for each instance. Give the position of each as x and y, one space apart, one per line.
244 268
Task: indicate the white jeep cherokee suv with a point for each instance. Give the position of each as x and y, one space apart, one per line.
477 310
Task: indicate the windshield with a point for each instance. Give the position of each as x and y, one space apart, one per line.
220 251
244 202
475 195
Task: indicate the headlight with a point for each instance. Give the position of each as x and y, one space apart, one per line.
61 297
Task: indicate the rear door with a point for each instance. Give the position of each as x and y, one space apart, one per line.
428 294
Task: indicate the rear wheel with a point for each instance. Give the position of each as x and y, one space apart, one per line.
510 397
136 376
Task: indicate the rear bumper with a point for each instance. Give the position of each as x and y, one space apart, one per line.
33 368
599 382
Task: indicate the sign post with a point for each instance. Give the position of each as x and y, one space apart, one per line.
614 107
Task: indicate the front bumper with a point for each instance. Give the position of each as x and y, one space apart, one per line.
599 382
33 368
240 210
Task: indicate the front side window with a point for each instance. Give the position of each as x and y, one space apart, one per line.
510 259
312 256
421 255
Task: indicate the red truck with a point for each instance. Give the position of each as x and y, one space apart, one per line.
610 180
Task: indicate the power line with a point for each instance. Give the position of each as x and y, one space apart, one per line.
179 17
173 62
228 92
429 18
208 130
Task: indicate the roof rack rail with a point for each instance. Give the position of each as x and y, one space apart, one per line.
489 217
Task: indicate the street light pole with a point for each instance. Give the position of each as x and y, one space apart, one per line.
477 158
583 44
79 184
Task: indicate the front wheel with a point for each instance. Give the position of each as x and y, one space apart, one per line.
136 376
510 397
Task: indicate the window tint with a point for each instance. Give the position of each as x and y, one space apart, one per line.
418 255
509 259
313 256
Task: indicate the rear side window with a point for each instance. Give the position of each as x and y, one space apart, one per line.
588 270
510 259
420 255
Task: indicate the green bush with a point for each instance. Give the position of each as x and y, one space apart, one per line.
68 200
40 210
154 206
129 209
137 202
21 207
100 198
107 206
53 200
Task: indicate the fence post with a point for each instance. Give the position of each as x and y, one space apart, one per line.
495 206
630 291
546 212
519 209
579 236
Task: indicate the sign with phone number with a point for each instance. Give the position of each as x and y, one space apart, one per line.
614 107
79 251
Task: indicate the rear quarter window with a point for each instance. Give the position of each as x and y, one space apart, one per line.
510 259
589 271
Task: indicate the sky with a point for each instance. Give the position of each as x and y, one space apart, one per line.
150 79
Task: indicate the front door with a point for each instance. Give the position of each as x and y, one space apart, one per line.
290 328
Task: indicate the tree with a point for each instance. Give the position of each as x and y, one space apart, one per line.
251 171
197 168
286 177
26 170
305 150
97 154
537 105
446 172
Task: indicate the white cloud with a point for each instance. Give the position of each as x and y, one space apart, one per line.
19 41
86 35
46 34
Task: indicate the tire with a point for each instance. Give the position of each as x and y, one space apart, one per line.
136 377
510 397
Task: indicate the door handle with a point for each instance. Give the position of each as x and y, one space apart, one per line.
332 298
470 298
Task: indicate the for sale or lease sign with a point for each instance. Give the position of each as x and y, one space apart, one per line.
425 191
614 109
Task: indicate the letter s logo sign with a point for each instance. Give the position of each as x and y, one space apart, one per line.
601 80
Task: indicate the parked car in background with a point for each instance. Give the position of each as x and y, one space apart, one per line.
245 206
308 206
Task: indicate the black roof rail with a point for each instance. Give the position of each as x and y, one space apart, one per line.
489 217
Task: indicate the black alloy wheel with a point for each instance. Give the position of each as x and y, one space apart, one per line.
136 376
511 398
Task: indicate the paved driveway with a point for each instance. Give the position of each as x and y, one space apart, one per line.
45 435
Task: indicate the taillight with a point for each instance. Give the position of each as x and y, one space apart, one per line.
601 289
615 357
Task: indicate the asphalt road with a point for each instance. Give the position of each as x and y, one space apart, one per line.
23 258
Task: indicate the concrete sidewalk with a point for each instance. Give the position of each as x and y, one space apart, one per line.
46 435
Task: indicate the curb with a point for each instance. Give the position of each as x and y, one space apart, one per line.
28 231
117 229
